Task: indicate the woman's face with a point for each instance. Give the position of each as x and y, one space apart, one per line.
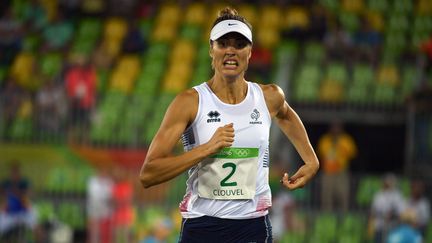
230 54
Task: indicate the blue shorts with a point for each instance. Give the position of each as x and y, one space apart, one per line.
210 229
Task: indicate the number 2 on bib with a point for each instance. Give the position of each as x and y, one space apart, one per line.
233 169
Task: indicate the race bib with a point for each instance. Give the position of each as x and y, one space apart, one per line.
229 174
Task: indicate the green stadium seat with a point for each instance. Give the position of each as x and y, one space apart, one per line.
402 6
314 52
349 21
384 94
367 187
306 83
324 228
352 228
190 32
45 211
409 80
378 5
398 22
22 129
337 72
332 5
51 64
145 26
71 214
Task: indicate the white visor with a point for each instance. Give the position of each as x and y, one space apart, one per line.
230 25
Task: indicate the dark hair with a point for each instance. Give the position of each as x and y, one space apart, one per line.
230 13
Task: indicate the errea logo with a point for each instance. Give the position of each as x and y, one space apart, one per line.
213 117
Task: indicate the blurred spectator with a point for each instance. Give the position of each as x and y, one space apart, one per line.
134 42
51 108
70 9
419 205
123 210
368 42
336 149
426 49
15 206
80 80
34 16
387 205
11 97
100 206
318 22
58 33
122 7
405 231
11 37
338 43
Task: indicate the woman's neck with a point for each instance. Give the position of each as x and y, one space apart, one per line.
230 91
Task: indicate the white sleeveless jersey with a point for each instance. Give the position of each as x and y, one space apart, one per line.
252 121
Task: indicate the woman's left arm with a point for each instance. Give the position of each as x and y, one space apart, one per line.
291 125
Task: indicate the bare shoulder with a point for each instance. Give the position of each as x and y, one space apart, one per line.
274 97
185 105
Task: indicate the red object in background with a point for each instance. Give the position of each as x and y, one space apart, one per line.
426 47
80 85
261 56
122 196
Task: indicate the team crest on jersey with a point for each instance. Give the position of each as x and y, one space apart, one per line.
213 117
255 115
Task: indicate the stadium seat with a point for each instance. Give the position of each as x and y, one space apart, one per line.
249 12
352 228
350 21
324 228
424 7
366 189
352 6
332 5
190 32
195 14
378 5
51 64
402 6
296 18
409 80
314 52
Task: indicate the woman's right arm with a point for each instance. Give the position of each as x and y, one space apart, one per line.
160 165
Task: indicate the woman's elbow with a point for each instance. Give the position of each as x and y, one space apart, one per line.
145 177
145 180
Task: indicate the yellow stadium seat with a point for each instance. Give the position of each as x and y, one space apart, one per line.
26 109
353 6
267 37
164 33
112 47
271 17
249 12
183 51
129 65
115 29
331 91
196 14
375 19
22 68
296 17
388 74
121 82
424 7
169 13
